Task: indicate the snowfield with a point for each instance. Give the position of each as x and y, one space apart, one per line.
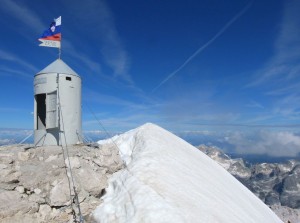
169 180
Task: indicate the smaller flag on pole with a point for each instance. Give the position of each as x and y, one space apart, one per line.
52 36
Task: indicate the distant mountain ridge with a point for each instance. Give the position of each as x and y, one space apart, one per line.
273 183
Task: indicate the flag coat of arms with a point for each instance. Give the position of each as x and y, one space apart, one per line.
52 36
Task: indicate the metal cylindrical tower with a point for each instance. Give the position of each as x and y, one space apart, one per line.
57 105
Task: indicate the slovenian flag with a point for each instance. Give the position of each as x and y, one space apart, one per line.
52 36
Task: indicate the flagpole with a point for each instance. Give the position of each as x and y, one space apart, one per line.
59 51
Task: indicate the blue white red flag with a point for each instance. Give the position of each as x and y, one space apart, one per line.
52 36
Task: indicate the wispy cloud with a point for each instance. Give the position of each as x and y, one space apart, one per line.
278 144
12 110
284 66
254 104
26 18
22 13
288 106
122 122
91 64
99 19
118 101
284 90
6 141
7 71
208 43
12 136
4 55
280 74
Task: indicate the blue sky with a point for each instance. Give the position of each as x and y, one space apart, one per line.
225 68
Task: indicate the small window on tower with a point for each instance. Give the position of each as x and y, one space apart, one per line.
68 78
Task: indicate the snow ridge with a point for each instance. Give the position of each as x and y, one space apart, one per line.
168 180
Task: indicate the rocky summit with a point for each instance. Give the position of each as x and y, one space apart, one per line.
55 184
34 186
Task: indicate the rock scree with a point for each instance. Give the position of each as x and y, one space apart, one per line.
34 186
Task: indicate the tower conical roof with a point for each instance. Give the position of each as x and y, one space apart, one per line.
58 66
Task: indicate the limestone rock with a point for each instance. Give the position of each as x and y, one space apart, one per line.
13 177
109 158
3 166
74 161
60 194
50 158
44 211
6 158
11 203
36 199
92 182
34 186
20 189
23 156
37 190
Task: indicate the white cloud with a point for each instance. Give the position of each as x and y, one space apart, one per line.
7 71
11 132
5 141
284 65
254 104
11 110
83 58
12 136
278 144
97 17
28 20
23 14
199 132
292 87
4 55
280 75
288 106
105 99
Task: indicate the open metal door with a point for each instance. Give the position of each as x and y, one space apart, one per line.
51 118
